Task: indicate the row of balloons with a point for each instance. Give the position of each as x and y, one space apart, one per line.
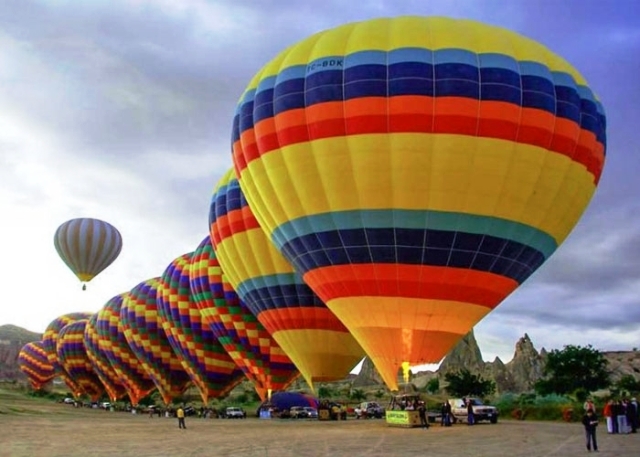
393 181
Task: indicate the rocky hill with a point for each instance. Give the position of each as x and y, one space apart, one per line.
12 338
518 375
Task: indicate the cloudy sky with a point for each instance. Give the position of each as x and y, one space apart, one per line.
121 110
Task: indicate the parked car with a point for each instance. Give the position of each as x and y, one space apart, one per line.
69 401
481 412
312 413
372 409
234 412
298 412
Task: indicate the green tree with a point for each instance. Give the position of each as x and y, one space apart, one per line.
628 384
433 385
325 392
379 394
358 395
465 383
573 368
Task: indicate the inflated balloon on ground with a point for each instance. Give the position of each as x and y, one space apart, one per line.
202 356
144 333
34 363
417 171
311 335
124 362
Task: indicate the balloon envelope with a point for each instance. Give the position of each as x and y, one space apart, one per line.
417 171
72 355
144 333
34 363
50 341
243 337
311 335
201 354
129 369
99 361
87 246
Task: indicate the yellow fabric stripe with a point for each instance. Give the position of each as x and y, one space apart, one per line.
249 254
432 33
329 360
441 172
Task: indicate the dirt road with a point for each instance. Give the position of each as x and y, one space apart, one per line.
38 428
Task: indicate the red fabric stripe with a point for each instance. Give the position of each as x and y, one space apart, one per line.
410 281
301 318
523 125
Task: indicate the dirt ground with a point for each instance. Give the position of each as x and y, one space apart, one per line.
34 428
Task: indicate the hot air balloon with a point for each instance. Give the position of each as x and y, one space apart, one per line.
73 357
34 363
144 333
416 171
311 335
99 361
243 337
203 357
124 362
50 340
87 246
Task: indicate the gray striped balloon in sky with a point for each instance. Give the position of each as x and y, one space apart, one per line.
87 246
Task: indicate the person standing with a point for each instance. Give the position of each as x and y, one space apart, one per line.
470 416
590 422
180 415
422 413
636 416
608 415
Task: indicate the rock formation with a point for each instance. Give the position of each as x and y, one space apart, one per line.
12 338
465 354
526 367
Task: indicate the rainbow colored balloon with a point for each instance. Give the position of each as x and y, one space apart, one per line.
50 340
203 357
99 361
310 334
123 361
34 363
72 355
416 171
147 339
246 341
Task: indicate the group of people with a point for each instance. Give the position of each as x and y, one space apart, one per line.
622 416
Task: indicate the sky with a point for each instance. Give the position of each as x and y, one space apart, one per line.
121 110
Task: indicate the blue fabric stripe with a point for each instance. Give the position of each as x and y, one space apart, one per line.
418 247
416 220
277 292
413 71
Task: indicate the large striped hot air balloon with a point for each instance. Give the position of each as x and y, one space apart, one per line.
87 246
312 336
72 355
99 361
50 340
417 171
125 363
34 363
243 337
203 357
148 341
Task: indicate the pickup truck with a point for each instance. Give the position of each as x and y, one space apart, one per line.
481 412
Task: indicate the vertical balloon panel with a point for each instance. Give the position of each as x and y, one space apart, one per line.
73 358
99 361
310 334
50 340
34 363
417 171
144 333
125 363
243 337
203 357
